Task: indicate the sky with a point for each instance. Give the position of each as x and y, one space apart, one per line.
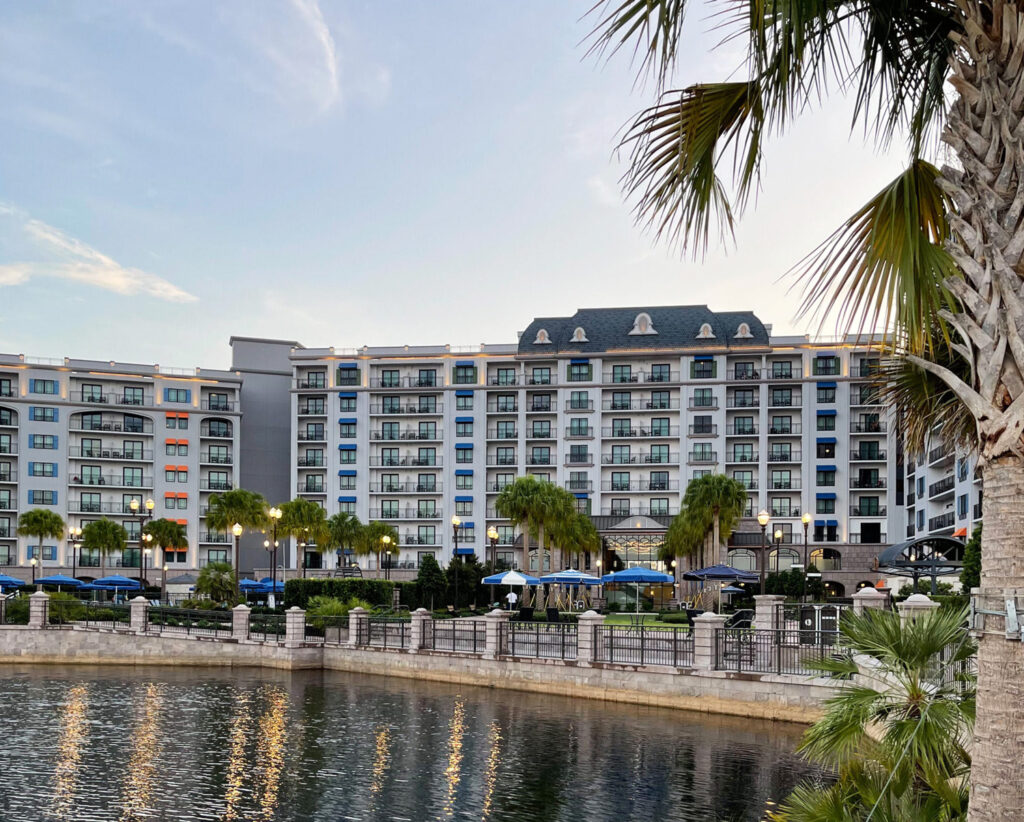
358 173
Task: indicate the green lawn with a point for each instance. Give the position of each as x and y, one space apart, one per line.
649 620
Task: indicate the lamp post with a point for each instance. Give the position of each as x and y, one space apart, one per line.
275 517
456 522
163 583
386 540
142 513
806 520
33 562
146 539
763 519
492 538
236 530
778 547
75 538
600 585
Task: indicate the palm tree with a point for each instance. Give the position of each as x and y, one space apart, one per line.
576 535
370 539
105 537
307 522
217 581
903 713
246 508
167 534
712 506
344 530
935 259
41 523
517 503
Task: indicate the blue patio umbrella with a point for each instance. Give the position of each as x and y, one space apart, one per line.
721 573
10 582
640 576
118 581
277 585
571 577
60 580
732 589
510 578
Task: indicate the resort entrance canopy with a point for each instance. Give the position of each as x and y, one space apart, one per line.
930 556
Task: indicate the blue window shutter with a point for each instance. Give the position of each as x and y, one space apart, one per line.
167 393
32 386
55 445
31 440
188 395
55 493
31 412
56 415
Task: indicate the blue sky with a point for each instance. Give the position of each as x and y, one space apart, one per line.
172 173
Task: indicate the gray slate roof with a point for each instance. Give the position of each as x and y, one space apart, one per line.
607 329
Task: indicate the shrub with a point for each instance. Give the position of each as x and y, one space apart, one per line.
64 608
431 583
16 611
675 618
202 605
297 592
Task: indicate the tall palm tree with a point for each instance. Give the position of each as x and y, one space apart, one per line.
555 511
712 506
517 502
105 537
576 535
246 508
344 529
370 539
42 524
217 581
307 522
933 250
903 714
167 534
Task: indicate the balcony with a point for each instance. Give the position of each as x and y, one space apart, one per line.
207 484
669 404
110 454
504 380
100 398
742 374
493 459
206 458
868 427
865 398
749 484
541 379
618 378
213 538
7 391
408 434
868 455
411 539
939 455
88 507
8 476
544 408
540 434
947 520
579 486
405 488
404 513
703 430
742 401
976 511
780 400
792 455
791 430
702 457
403 382
497 487
740 456
312 383
424 410
639 459
640 432
217 405
639 511
113 481
868 539
741 430
701 403
502 434
579 433
310 488
911 498
639 485
406 462
311 462
867 511
220 433
579 407
942 487
302 436
867 482
540 459
313 410
133 427
783 485
586 458
784 513
8 505
502 407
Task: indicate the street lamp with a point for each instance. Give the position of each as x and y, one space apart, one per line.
600 585
163 584
492 537
147 539
763 519
33 562
275 517
387 553
456 522
778 548
142 513
236 529
75 538
806 520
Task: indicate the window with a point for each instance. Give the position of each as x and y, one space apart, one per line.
583 505
540 402
660 372
314 431
702 424
427 404
826 478
578 454
745 478
660 453
744 398
781 425
826 395
49 552
621 455
826 450
579 401
426 535
620 508
659 481
703 369
782 559
743 452
744 370
961 465
701 452
464 429
780 452
464 403
781 480
464 374
464 508
389 378
782 507
506 430
389 508
620 480
177 395
463 455
541 429
132 477
464 482
389 456
347 457
540 376
503 481
91 475
348 376
170 448
313 458
389 483
920 520
505 403
869 507
659 507
622 373
659 427
782 397
6 391
825 366
219 402
42 497
580 372
92 448
347 430
578 481
346 483
309 405
505 376
961 506
40 469
782 370
825 506
426 483
428 379
389 431
703 398
743 425
506 534
90 503
47 442
314 379
346 403
42 413
540 455
827 423
428 430
622 428
134 396
42 386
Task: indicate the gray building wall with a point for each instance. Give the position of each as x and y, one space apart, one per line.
265 440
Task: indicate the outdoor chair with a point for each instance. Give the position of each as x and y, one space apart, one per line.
554 615
525 614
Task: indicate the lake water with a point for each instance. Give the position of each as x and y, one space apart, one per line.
175 744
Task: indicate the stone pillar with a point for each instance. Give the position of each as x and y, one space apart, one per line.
586 639
3 609
868 598
704 628
496 621
396 598
294 627
914 606
765 606
38 606
240 622
421 630
139 614
357 628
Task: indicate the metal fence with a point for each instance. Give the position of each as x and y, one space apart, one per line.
960 674
326 630
463 636
772 651
267 628
384 632
643 646
541 640
112 617
187 622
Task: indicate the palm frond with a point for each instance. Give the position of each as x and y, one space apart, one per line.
884 269
654 25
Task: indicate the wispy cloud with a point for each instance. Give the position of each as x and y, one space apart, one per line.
67 258
309 11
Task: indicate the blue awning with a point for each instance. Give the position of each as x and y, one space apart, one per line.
463 419
826 468
704 357
832 522
347 420
827 384
581 496
347 365
463 363
583 361
463 499
346 448
826 441
464 551
463 393
346 499
827 413
463 445
346 472
825 496
819 523
346 394
467 525
463 472
825 354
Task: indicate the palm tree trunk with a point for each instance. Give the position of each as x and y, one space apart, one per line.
997 790
716 545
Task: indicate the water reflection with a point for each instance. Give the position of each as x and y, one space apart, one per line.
73 726
204 746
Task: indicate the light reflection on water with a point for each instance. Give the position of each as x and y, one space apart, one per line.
191 745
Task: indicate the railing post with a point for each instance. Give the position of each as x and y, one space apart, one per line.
497 620
240 622
421 630
705 627
38 607
867 598
914 606
294 627
765 608
139 614
357 624
587 642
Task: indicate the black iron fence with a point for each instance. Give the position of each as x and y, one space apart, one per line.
112 617
384 632
187 622
772 651
643 646
541 640
462 636
326 630
267 628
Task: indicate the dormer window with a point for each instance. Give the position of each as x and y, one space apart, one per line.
705 332
579 335
743 332
542 337
642 325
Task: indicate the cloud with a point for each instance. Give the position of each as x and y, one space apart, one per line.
309 11
71 259
603 193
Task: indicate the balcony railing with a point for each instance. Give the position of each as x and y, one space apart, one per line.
82 424
315 384
977 511
639 459
215 459
942 486
412 539
8 505
410 408
640 485
303 436
110 454
613 378
792 455
865 398
505 380
749 484
669 404
540 459
213 538
698 403
502 407
639 511
217 405
313 410
543 408
640 431
585 458
540 434
403 382
89 507
867 511
409 487
701 457
947 520
310 488
540 379
742 402
497 487
783 485
868 427
579 485
579 406
703 430
791 430
311 462
113 480
939 454
406 462
868 539
911 498
870 455
867 482
785 513
404 513
409 434
207 484
101 398
8 476
744 374
493 459
779 400
741 456
579 433
741 430
223 434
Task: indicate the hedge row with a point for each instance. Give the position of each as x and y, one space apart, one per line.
298 591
